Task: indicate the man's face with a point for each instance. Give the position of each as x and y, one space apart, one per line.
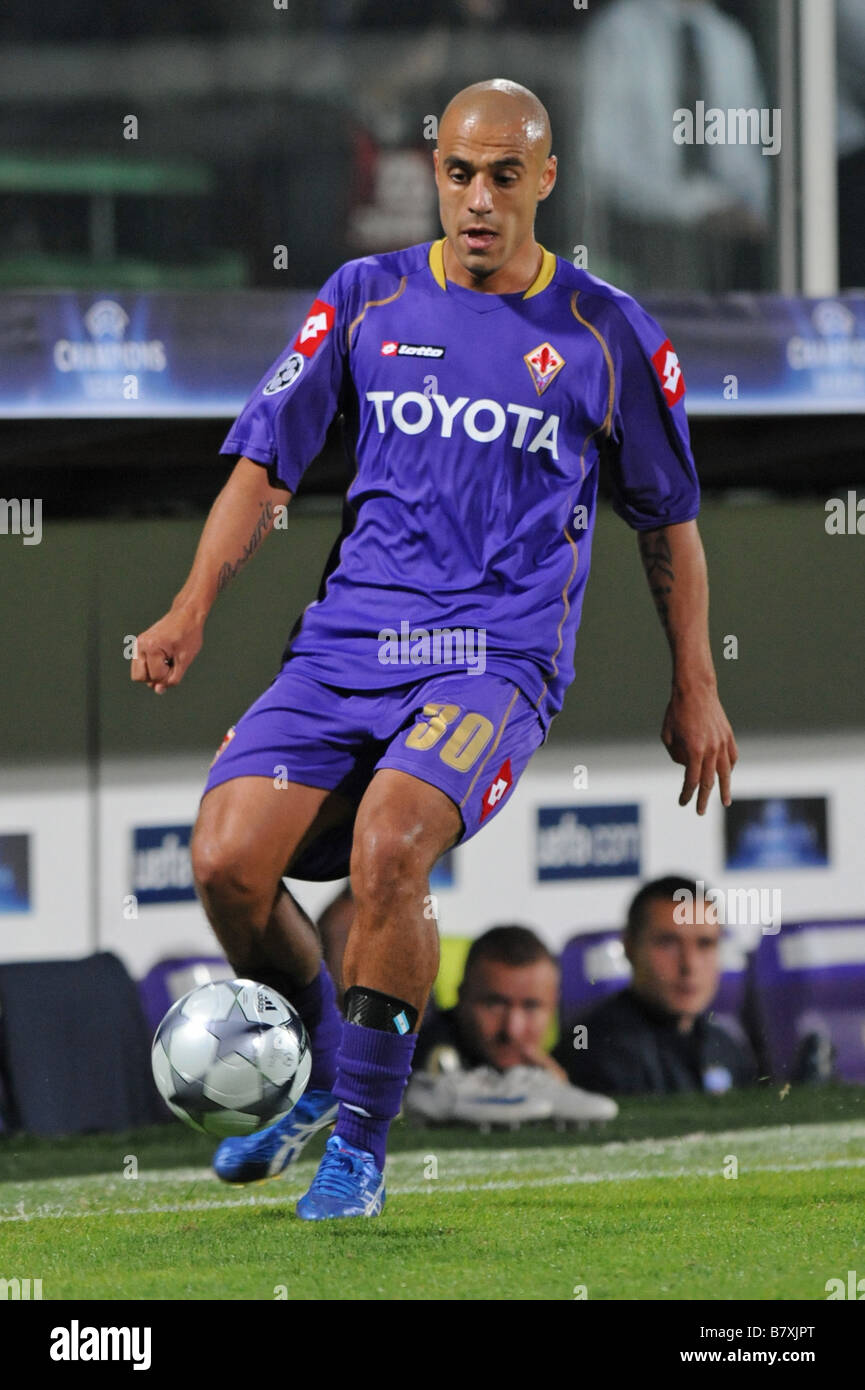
505 1010
490 175
676 964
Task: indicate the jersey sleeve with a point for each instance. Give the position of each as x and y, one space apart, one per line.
285 420
651 468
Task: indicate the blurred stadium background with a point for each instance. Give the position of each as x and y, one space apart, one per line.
176 181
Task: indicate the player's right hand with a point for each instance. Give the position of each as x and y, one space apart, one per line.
164 653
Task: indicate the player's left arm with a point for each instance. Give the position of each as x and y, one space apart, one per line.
696 731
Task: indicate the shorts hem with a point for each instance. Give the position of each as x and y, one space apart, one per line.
210 783
398 766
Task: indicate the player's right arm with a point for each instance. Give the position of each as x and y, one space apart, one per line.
280 430
240 518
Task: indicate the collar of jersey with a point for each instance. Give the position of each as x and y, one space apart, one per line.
489 301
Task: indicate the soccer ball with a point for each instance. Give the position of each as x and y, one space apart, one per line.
230 1057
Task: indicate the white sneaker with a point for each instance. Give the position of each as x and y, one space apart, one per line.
569 1104
482 1096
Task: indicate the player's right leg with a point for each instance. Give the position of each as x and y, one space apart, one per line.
247 832
248 829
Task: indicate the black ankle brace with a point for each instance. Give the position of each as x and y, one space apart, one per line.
371 1009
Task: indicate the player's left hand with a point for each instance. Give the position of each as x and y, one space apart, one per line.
697 734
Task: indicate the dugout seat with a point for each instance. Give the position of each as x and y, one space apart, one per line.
593 966
175 976
809 982
74 1048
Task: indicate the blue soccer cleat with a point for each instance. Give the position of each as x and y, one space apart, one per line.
266 1154
347 1183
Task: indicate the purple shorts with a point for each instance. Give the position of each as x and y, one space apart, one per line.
469 735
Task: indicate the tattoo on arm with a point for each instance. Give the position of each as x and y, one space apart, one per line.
657 560
229 570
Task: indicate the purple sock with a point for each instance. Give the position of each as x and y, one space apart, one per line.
373 1068
316 1004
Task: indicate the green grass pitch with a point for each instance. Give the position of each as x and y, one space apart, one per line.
640 1209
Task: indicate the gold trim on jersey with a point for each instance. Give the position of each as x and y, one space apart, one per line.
611 394
505 717
606 425
437 262
566 608
540 282
544 275
375 304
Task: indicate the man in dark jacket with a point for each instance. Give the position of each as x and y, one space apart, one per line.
656 1035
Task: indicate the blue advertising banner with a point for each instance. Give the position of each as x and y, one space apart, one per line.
442 874
161 866
587 842
140 355
753 354
15 873
200 354
776 832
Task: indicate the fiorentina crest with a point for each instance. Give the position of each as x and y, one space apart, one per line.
544 363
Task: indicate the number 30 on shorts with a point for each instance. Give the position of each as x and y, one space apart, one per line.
466 743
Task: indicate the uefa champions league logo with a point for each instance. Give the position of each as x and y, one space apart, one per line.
285 374
107 353
106 319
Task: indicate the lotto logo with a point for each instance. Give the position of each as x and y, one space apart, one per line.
666 364
318 324
390 348
500 784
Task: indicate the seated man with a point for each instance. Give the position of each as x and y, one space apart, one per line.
507 1002
487 1053
655 1035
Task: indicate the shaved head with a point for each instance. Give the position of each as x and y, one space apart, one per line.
501 102
493 166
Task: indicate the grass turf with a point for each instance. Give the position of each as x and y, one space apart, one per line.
637 1210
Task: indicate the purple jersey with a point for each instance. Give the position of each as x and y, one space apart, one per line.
478 423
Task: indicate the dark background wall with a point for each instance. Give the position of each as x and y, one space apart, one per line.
790 593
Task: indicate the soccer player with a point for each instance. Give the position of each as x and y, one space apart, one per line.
484 383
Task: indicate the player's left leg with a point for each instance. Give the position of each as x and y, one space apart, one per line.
403 826
450 769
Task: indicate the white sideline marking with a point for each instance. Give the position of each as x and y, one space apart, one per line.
491 1185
